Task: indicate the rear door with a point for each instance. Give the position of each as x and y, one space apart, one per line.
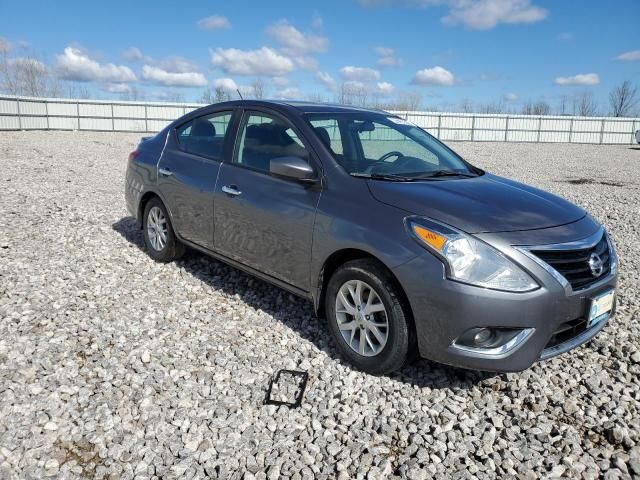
187 173
262 220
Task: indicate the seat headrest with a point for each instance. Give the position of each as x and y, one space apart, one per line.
269 134
203 128
324 136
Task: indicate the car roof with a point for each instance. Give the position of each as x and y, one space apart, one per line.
301 106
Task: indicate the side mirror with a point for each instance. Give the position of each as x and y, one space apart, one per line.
294 168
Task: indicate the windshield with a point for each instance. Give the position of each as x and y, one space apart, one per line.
376 145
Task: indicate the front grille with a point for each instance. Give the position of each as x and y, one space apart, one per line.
574 264
566 331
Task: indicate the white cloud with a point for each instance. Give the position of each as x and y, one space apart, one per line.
173 79
214 22
76 65
289 93
327 80
633 55
306 63
475 14
434 76
385 88
486 14
317 21
488 77
280 81
581 79
226 84
176 65
355 87
134 54
384 51
264 61
294 42
117 88
362 74
511 97
387 57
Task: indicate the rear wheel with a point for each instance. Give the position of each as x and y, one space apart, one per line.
367 318
159 237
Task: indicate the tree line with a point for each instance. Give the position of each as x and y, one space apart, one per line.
28 76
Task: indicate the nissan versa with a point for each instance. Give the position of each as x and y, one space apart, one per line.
403 246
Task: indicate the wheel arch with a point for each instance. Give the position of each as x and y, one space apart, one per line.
340 257
144 199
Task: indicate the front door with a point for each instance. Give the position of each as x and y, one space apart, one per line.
261 220
187 173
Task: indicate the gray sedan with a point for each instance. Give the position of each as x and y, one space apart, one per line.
403 246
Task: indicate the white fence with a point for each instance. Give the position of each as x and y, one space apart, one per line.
27 113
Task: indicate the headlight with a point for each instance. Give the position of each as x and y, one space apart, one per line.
468 259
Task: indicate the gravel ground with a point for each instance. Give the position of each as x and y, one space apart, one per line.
112 365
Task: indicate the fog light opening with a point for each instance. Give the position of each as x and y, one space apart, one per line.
491 341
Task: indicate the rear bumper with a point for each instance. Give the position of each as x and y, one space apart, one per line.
443 310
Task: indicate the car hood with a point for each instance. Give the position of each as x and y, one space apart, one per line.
486 203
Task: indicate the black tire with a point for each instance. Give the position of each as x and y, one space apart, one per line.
172 248
396 351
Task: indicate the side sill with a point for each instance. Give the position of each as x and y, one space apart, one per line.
251 271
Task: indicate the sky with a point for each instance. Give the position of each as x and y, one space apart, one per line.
446 51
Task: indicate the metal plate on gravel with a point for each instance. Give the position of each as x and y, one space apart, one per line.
287 388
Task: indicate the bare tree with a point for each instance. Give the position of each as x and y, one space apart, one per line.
173 96
466 106
411 101
132 95
221 95
492 107
563 105
77 90
622 99
26 76
206 97
316 97
539 108
344 94
258 88
585 105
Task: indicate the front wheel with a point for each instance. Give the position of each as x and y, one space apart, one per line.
366 317
159 237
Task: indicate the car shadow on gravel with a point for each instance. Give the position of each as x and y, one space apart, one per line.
297 313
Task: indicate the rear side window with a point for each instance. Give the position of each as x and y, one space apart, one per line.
205 135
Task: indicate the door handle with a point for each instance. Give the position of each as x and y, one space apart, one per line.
165 172
231 190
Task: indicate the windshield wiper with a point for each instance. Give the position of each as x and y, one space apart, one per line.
380 176
446 173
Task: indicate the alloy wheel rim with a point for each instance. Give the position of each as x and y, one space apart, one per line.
362 318
157 228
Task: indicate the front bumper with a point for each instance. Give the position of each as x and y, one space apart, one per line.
443 310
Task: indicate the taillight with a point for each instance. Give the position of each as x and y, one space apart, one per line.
133 155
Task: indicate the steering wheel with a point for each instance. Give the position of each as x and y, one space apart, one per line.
395 153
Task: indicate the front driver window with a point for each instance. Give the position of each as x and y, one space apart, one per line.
374 144
264 137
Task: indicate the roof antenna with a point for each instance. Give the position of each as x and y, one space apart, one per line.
239 94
